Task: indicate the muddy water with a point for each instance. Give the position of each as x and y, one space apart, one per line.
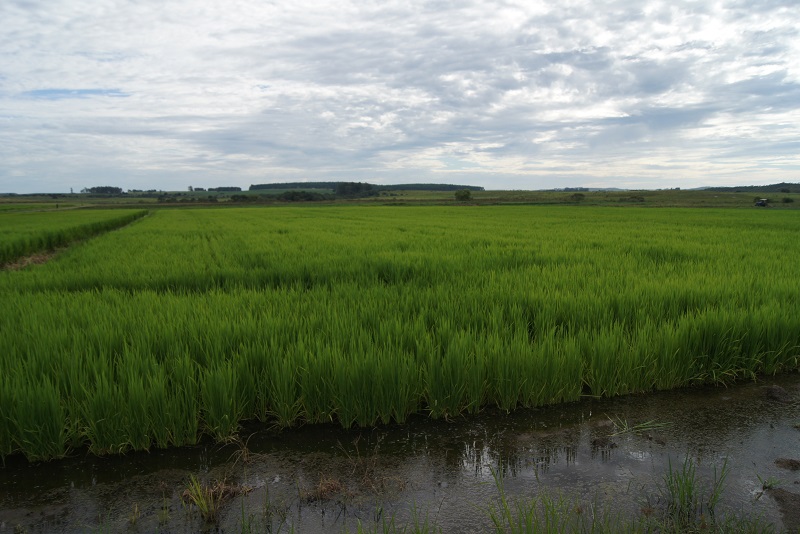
324 479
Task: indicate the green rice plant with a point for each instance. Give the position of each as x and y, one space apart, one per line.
610 366
183 407
402 387
247 373
137 412
252 363
353 391
222 406
526 373
102 410
7 430
283 389
38 419
368 315
158 402
385 371
559 363
673 362
445 380
316 374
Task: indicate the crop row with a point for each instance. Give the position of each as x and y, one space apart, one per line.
28 233
192 321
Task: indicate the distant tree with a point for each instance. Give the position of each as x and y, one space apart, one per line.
191 189
303 186
428 187
228 189
243 198
354 189
463 195
302 196
103 190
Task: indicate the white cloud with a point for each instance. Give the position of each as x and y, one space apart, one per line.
514 94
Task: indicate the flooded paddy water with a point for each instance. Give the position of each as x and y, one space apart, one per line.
604 453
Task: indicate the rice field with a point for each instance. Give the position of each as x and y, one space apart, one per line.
32 206
189 322
28 233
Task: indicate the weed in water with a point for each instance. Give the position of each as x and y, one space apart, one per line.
209 498
769 482
206 500
622 426
135 514
275 515
689 504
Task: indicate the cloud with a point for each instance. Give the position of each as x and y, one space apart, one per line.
509 94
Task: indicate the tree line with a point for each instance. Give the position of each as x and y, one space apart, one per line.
363 188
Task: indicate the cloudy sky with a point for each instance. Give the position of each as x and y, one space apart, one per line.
507 95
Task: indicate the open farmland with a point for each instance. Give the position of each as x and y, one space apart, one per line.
28 233
191 321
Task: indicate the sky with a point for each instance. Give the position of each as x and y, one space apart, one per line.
169 94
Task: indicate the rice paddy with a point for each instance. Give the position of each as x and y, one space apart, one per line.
189 322
28 233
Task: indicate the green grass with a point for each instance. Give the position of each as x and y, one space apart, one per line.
192 321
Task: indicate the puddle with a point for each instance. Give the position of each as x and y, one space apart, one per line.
325 479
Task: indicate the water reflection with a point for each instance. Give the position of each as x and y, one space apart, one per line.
326 476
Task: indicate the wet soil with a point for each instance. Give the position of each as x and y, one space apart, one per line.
34 259
610 452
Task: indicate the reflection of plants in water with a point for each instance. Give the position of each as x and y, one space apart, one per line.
622 426
275 515
365 469
689 506
326 489
243 453
420 524
547 513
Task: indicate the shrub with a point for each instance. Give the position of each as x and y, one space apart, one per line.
463 195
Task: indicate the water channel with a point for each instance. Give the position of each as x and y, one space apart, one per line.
606 453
